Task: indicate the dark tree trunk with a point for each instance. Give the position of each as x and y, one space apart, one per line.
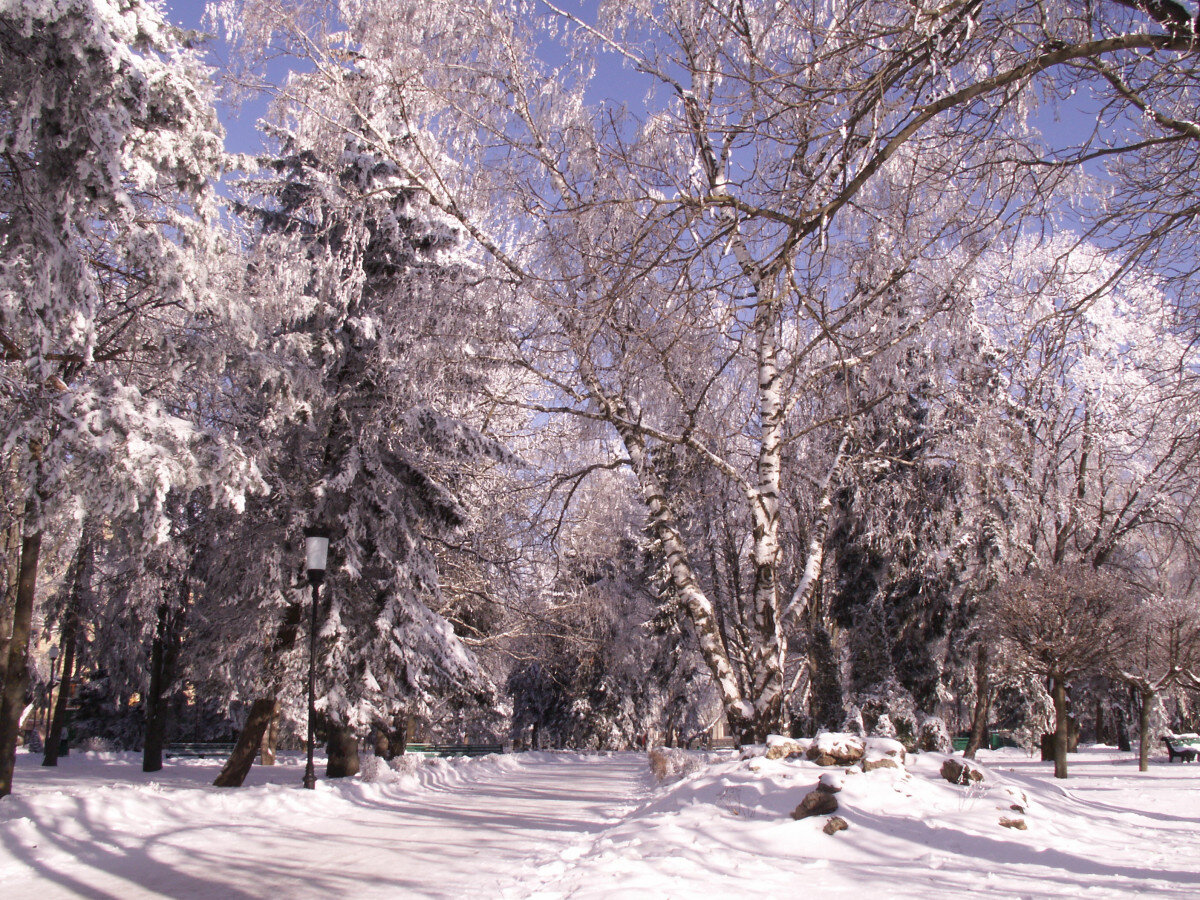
1062 726
54 745
1147 698
342 752
983 702
8 591
16 674
164 653
1122 730
240 761
237 767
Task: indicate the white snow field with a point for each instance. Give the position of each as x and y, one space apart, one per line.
552 825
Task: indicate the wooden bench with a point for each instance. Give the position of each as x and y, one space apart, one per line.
1185 748
199 749
454 749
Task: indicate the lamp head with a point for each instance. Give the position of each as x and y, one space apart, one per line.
316 552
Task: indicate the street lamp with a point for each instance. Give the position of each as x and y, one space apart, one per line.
316 552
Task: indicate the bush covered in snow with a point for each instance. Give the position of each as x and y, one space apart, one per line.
669 763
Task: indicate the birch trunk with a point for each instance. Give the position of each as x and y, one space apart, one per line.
768 648
739 713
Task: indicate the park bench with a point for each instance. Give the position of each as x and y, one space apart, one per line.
1185 746
454 749
199 749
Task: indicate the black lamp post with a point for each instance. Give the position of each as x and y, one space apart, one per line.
316 551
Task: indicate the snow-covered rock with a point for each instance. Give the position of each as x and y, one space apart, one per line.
836 749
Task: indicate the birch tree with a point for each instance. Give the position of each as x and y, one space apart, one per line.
803 189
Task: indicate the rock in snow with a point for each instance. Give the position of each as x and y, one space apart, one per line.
958 772
835 824
816 803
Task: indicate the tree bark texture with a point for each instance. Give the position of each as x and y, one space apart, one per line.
342 752
983 701
270 741
237 767
16 675
1061 727
164 653
12 575
70 632
1144 711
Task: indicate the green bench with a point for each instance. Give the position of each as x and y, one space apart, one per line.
1185 746
199 749
996 740
454 749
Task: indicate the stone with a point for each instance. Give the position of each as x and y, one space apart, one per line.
1018 824
884 762
958 772
816 803
784 748
836 749
835 824
830 782
886 747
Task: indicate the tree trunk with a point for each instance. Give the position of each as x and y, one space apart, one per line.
1061 727
1122 730
983 701
156 702
8 593
270 740
16 674
237 767
1147 698
58 721
342 750
240 761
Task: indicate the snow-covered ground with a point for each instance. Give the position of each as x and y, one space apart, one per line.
590 826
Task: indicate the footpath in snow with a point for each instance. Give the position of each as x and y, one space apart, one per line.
98 827
552 825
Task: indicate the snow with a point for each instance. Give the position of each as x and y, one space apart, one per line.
555 825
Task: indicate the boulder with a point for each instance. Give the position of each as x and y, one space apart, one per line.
785 748
886 748
816 803
1018 824
835 824
884 762
836 749
958 772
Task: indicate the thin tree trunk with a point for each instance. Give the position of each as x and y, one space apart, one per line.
12 575
1147 698
983 701
1061 726
58 721
16 675
240 761
270 740
238 766
156 703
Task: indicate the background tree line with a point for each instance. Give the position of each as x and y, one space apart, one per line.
792 385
